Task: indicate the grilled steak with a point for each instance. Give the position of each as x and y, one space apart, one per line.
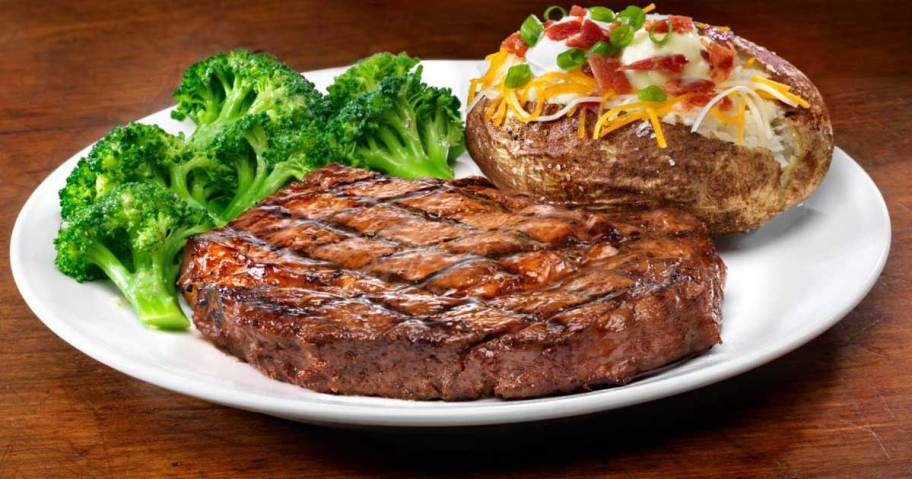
351 282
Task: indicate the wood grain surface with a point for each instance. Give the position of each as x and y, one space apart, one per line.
69 71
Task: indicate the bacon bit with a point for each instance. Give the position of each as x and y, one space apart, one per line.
667 63
589 35
701 99
682 24
608 75
721 58
515 45
679 23
563 30
577 11
587 70
680 87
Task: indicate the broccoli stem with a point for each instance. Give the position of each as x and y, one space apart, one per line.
261 187
212 108
403 151
253 181
148 290
235 105
102 257
295 167
403 165
435 142
154 301
249 179
180 179
234 102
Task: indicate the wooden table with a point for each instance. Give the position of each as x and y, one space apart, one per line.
69 71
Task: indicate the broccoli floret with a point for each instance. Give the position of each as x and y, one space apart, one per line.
366 75
247 108
133 235
131 204
135 152
222 89
258 156
403 127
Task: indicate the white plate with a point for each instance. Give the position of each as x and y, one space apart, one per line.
788 282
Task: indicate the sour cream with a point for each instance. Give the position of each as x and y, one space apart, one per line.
687 44
542 58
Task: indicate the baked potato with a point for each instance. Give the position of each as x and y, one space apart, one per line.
705 121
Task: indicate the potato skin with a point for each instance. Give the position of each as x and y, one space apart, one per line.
731 188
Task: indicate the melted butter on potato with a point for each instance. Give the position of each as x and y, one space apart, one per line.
642 47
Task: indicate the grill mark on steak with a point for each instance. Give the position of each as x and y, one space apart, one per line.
396 203
351 282
351 232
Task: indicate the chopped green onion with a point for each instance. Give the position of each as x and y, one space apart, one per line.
633 16
518 75
604 49
652 93
601 14
561 10
530 30
621 36
572 58
664 39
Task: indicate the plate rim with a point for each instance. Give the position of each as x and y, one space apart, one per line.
470 413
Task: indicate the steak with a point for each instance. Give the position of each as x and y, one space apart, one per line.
351 282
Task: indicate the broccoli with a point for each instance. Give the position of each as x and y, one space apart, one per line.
365 76
401 127
223 88
257 156
135 152
255 130
239 87
133 235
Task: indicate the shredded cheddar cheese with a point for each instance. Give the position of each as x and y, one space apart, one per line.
581 130
492 109
620 122
501 113
539 105
656 127
515 107
782 88
473 87
635 111
496 61
742 107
